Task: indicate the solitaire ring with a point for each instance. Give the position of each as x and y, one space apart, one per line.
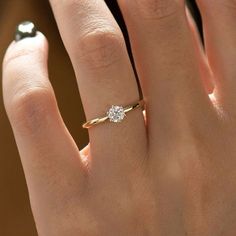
115 114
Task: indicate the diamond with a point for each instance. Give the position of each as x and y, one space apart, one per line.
116 114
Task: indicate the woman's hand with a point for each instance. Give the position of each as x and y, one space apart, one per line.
174 174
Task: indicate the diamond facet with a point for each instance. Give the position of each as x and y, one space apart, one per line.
116 114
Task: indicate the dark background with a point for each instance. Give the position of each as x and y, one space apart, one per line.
15 214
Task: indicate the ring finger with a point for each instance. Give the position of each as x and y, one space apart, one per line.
105 77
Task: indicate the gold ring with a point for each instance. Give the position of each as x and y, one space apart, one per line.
115 114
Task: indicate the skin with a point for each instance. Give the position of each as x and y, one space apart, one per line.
171 175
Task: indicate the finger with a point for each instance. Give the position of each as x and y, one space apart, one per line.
220 39
206 73
49 156
165 58
105 77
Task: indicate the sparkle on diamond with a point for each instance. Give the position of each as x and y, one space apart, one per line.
116 114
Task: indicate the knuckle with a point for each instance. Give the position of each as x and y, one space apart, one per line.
24 51
15 57
30 109
158 9
100 49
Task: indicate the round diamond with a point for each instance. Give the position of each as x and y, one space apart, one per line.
116 114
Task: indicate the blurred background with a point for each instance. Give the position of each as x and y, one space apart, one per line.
15 214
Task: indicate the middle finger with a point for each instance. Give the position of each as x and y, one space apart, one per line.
166 62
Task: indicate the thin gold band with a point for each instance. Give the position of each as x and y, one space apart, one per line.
100 120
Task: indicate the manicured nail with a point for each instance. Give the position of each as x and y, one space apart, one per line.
25 29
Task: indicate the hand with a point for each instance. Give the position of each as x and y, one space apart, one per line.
171 175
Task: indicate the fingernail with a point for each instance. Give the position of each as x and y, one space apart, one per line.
25 29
